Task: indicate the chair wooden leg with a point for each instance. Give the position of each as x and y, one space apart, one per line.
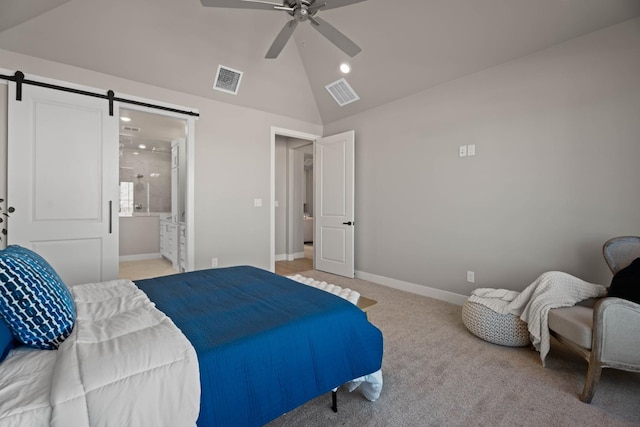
593 377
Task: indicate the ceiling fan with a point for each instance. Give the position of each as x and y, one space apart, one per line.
301 11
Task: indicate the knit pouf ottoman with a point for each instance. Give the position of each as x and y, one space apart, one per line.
503 329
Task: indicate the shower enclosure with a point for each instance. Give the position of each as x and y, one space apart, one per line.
145 182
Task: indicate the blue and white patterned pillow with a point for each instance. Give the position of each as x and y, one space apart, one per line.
54 278
34 302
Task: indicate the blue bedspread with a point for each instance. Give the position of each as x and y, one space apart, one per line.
265 344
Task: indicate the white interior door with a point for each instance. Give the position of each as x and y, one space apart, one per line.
62 179
334 204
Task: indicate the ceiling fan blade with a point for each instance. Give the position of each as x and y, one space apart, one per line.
276 6
263 1
243 4
316 6
333 4
343 42
282 39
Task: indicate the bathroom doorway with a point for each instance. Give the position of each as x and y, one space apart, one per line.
152 205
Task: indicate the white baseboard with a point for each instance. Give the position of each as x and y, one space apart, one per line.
140 257
291 257
413 288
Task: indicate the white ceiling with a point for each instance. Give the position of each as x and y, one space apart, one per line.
407 45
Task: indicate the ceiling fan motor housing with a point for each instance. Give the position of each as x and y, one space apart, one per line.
301 13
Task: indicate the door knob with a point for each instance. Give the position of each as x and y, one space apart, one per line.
348 223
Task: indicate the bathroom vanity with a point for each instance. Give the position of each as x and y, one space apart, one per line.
172 243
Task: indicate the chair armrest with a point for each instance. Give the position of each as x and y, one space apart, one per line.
616 333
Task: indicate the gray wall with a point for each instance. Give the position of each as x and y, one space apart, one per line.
281 197
296 152
296 200
557 136
308 181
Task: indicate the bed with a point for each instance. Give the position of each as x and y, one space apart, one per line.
236 346
265 344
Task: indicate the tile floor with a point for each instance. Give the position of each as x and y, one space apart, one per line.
145 269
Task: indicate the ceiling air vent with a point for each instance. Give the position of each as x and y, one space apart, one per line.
227 80
342 92
130 129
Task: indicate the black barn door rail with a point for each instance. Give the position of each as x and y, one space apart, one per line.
19 79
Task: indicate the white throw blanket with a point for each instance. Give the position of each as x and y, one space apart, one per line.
124 364
552 289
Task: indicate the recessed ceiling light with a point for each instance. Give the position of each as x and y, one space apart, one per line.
345 68
142 146
136 153
125 119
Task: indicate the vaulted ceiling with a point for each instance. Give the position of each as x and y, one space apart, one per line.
407 45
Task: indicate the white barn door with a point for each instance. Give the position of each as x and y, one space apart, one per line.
62 179
334 204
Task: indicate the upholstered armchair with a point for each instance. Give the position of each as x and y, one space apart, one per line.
607 334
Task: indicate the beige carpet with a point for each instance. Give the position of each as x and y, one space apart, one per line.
436 373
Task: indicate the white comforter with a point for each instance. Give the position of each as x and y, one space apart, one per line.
125 364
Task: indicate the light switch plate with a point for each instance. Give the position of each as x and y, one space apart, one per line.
471 277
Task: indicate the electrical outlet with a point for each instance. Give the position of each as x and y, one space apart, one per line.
214 262
462 151
471 277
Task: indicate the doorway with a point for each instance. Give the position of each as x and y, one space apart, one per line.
167 124
289 196
333 200
294 199
151 209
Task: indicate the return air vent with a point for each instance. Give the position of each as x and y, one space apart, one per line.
227 80
342 92
131 129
